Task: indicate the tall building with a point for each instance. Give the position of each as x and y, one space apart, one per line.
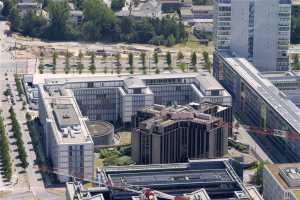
222 24
281 181
178 133
254 29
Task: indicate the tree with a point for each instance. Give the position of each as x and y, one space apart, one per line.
33 25
180 56
92 67
54 61
99 23
194 60
169 60
67 62
257 178
14 19
143 61
41 65
155 58
80 66
59 27
117 5
206 60
296 63
118 56
130 62
171 40
182 66
7 6
104 57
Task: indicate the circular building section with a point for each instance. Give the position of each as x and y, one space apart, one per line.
102 132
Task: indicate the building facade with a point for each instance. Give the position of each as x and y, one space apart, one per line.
258 102
254 29
178 133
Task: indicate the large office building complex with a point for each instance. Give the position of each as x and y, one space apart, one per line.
256 30
117 98
70 108
198 179
281 181
66 138
259 103
178 133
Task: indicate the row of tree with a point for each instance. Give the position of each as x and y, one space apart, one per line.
92 67
99 24
4 152
18 136
34 137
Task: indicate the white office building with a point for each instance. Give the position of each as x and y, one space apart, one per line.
255 29
118 98
66 138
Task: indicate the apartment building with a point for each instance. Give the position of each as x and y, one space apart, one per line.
254 29
178 133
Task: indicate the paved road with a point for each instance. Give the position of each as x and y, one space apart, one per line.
29 183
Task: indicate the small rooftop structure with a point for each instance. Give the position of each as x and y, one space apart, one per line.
132 83
288 175
75 191
291 176
65 115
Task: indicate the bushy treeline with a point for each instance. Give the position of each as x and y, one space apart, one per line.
18 136
34 137
4 152
99 24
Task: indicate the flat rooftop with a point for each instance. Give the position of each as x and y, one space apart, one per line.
275 170
66 119
203 77
180 178
99 128
65 115
264 88
172 177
